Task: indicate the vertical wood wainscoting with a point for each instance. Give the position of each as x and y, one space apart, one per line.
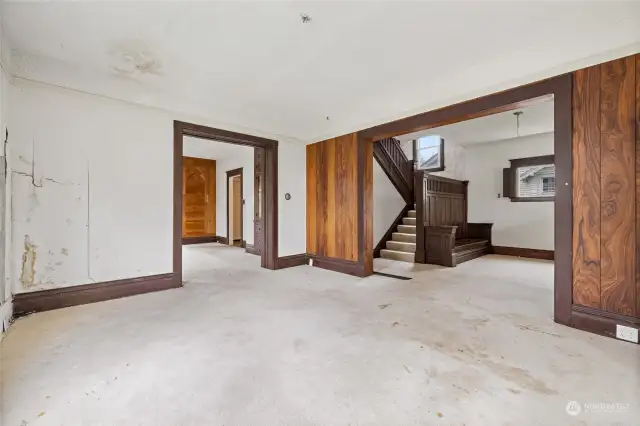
333 211
606 196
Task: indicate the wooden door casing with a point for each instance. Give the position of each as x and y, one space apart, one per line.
258 194
231 207
198 197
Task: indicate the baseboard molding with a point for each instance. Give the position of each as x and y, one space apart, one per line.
200 240
382 244
252 250
292 260
46 300
223 240
600 322
338 265
524 252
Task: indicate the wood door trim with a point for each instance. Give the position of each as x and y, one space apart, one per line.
559 89
232 173
269 256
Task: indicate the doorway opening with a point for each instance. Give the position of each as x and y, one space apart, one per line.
235 208
558 89
264 190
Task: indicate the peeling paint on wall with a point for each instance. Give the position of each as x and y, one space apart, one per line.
27 277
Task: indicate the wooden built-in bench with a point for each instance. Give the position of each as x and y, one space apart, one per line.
447 238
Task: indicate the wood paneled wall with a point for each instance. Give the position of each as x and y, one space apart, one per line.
445 202
332 198
606 186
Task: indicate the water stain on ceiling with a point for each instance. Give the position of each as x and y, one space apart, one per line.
133 58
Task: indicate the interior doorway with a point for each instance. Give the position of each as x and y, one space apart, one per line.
235 208
265 217
558 89
198 196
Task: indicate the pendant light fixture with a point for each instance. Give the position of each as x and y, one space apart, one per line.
517 114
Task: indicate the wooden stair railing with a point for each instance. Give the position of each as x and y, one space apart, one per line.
396 166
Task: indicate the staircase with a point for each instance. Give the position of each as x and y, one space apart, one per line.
402 245
399 242
393 161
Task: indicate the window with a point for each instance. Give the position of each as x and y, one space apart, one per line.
549 185
429 153
530 179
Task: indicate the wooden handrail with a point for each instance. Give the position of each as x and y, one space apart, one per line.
399 159
396 165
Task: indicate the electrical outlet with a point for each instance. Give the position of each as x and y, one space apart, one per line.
629 334
310 262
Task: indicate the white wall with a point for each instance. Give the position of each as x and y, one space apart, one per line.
387 203
292 179
5 220
454 161
101 206
407 147
244 160
526 225
454 158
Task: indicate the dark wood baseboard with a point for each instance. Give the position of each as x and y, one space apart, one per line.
338 265
598 321
292 260
200 240
382 244
524 252
223 240
46 300
249 248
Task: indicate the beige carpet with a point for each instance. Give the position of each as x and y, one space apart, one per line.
240 345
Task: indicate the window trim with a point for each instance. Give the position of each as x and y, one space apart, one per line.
509 177
440 168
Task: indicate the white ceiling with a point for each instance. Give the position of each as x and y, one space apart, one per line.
213 150
255 66
535 119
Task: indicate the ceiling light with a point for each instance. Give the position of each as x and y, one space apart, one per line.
517 114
